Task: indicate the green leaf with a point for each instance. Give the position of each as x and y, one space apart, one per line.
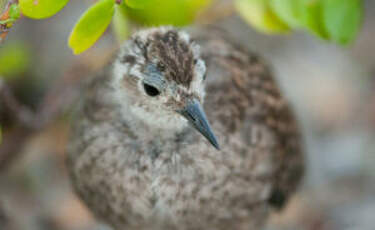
288 11
259 14
166 12
14 12
137 4
120 24
312 14
39 9
91 25
342 19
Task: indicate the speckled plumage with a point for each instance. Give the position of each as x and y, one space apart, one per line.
136 162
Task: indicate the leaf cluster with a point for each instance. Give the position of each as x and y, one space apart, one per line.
333 20
96 19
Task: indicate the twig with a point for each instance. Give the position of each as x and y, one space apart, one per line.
23 114
57 99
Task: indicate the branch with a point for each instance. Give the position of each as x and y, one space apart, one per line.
58 98
23 114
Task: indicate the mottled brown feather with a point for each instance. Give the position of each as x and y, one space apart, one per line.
133 178
252 93
175 55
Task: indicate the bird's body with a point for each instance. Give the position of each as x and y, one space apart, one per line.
138 165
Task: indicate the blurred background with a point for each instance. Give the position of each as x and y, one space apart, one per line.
332 89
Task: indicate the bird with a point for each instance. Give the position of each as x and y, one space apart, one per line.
184 129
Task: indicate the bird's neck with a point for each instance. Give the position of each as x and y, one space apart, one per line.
153 124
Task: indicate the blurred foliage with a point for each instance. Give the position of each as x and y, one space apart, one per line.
333 20
120 24
11 15
14 59
14 11
288 11
342 19
260 15
311 17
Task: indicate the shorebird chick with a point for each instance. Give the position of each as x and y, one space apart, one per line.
146 154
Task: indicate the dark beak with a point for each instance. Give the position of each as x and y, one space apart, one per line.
194 113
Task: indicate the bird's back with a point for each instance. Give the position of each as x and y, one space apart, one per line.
245 101
180 181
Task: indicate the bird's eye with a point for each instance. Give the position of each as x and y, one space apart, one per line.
151 90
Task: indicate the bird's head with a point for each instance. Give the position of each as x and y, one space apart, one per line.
159 76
